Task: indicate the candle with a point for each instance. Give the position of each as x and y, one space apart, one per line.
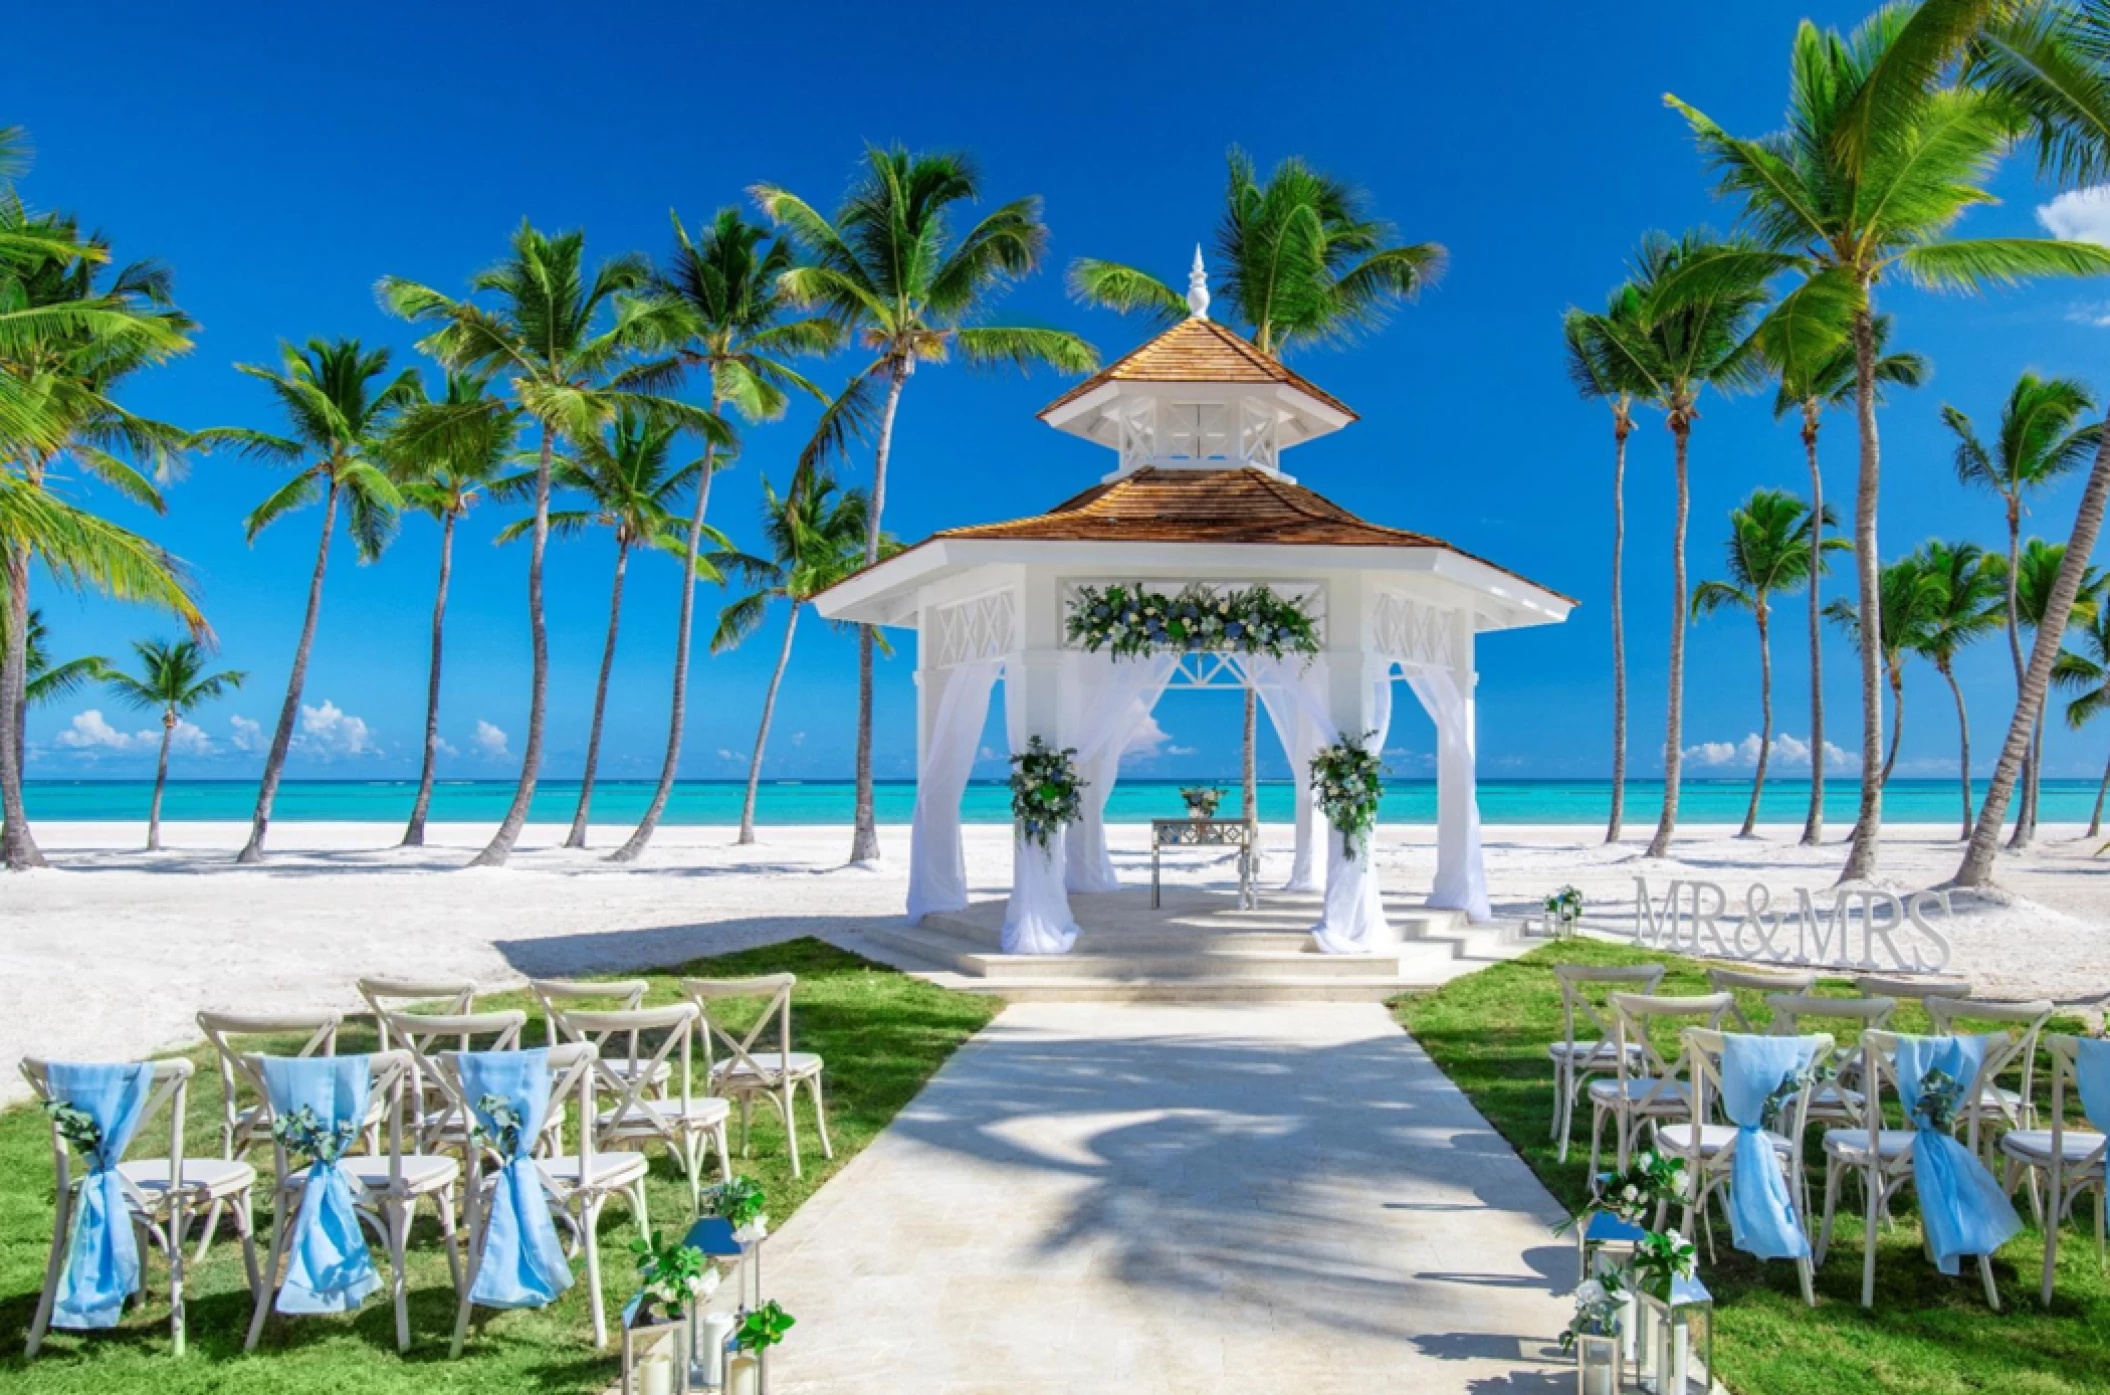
743 1375
716 1329
655 1375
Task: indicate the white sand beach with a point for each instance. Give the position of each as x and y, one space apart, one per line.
112 950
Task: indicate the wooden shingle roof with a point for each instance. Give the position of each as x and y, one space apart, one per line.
1198 351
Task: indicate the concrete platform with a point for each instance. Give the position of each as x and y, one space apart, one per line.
1178 1200
1198 945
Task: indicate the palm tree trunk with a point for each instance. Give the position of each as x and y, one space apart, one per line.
161 779
2095 820
577 838
1765 720
414 835
1674 724
864 840
2025 811
1868 826
1897 726
1963 731
500 847
17 846
1977 866
679 711
1616 824
1813 824
769 708
282 738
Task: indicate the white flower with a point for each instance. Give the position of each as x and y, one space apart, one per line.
705 1284
1630 1192
1591 1294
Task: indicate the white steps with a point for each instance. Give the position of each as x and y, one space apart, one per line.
1199 947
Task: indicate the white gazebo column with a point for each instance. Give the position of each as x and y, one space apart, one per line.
1037 917
1461 876
1353 921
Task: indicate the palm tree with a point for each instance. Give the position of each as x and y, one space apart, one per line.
1604 371
1690 305
339 399
1879 159
1908 600
1306 261
629 483
738 331
1965 610
172 679
1772 550
815 540
47 681
2042 439
2036 578
1813 377
571 345
69 340
441 473
892 270
2087 676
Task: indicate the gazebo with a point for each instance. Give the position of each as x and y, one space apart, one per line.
1196 504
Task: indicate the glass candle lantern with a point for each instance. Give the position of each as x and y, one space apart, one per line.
656 1358
1598 1365
1677 1339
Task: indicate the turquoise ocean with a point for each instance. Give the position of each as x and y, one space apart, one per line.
705 802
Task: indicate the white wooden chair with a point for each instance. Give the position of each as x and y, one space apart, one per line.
1910 990
625 1065
750 1071
1586 1047
557 995
244 1122
440 1121
1998 1108
386 1189
1763 983
455 997
161 1193
578 1184
1708 1149
2072 1160
1882 1157
1646 1086
1838 1101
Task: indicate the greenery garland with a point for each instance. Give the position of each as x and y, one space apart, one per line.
1348 779
1046 795
1134 622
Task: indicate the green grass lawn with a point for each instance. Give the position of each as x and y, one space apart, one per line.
882 1033
1927 1335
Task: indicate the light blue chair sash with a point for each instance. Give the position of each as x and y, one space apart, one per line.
523 1263
102 1254
1962 1208
2091 1074
328 1266
1762 1218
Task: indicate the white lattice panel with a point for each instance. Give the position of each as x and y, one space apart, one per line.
980 627
1413 632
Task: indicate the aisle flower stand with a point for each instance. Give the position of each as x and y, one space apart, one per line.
1677 1339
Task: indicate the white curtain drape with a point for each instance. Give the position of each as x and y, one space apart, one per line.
1461 874
1300 740
937 868
1106 701
1037 917
1353 921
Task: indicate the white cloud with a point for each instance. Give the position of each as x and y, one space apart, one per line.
248 734
330 733
489 741
1151 741
724 754
190 740
798 738
2090 312
89 731
2078 215
1788 750
445 747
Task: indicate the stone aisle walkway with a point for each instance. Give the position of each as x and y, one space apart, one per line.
1165 1199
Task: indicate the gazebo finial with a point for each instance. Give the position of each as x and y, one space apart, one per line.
1198 287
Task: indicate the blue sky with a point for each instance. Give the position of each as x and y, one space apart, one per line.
281 159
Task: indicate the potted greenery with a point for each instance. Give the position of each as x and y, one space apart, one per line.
1564 910
674 1279
760 1329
